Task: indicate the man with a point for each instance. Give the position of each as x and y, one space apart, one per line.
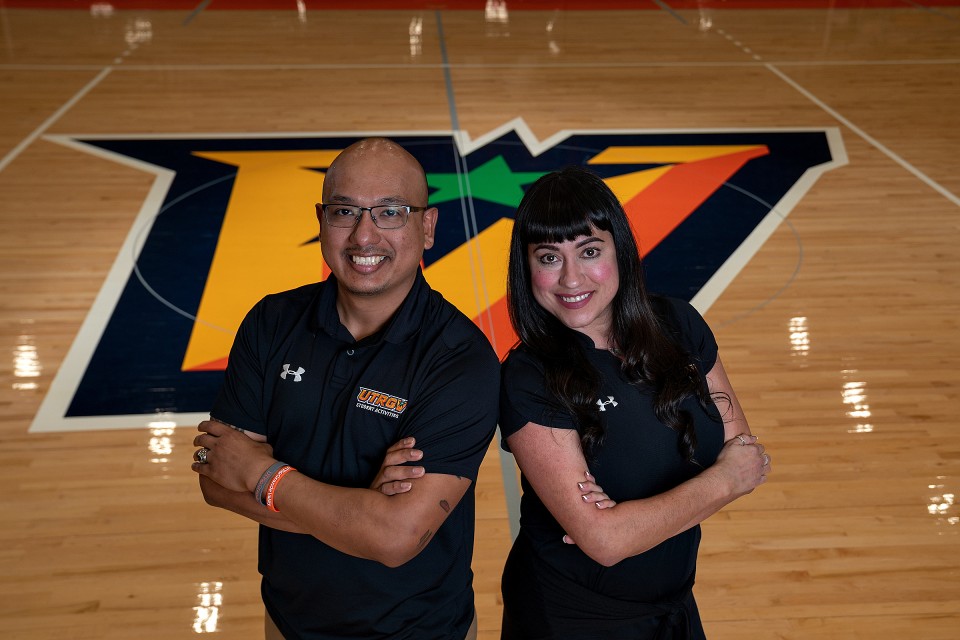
326 378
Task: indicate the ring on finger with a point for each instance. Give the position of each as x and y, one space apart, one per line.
200 455
741 439
766 459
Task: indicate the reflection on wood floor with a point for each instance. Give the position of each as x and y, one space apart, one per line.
839 334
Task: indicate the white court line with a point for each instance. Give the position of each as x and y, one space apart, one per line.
864 63
932 10
39 131
946 193
479 65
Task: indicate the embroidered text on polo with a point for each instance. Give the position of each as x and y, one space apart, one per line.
379 402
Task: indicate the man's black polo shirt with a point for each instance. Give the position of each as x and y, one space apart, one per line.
331 407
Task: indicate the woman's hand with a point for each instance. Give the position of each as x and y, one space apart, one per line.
743 463
592 494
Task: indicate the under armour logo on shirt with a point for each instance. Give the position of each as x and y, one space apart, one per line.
296 374
603 405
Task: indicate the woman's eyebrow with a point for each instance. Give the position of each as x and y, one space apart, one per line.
589 240
551 247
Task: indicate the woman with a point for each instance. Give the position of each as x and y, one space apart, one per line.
610 381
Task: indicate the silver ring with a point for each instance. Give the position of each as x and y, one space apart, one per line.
742 441
200 455
766 459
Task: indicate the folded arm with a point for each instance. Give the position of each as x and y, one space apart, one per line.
243 502
553 462
365 523
734 422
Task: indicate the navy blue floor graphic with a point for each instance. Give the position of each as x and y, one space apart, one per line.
137 366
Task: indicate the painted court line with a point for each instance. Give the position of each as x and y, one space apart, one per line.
465 65
663 5
508 467
193 14
946 193
39 131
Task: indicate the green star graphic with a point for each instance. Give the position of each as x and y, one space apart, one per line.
493 181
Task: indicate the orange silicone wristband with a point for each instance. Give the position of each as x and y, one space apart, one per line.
271 490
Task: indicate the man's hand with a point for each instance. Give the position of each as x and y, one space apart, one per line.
394 475
233 460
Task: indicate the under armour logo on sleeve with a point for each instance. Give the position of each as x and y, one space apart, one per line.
296 374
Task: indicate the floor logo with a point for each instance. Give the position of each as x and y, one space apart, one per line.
231 218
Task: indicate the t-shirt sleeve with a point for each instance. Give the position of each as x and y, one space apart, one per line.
455 416
694 334
241 399
523 397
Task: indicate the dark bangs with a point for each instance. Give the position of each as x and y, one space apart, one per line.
563 206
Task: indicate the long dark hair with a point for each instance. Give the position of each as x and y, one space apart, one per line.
562 206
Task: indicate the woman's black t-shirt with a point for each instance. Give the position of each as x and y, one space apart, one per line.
639 458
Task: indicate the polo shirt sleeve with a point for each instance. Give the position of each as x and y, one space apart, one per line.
694 334
241 399
455 414
523 396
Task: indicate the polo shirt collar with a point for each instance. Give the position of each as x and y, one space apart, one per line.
408 319
591 350
585 341
404 324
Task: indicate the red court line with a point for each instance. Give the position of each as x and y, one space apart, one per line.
471 5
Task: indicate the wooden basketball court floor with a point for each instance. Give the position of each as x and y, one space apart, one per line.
839 332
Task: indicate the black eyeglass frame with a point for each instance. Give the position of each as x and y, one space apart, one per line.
407 209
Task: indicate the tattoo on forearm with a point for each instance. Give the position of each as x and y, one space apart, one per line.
445 505
424 539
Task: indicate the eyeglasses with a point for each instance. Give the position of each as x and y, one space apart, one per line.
386 216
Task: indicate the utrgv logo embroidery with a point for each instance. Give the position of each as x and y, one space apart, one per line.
382 403
603 405
296 374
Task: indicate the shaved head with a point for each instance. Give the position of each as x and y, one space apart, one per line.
369 152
